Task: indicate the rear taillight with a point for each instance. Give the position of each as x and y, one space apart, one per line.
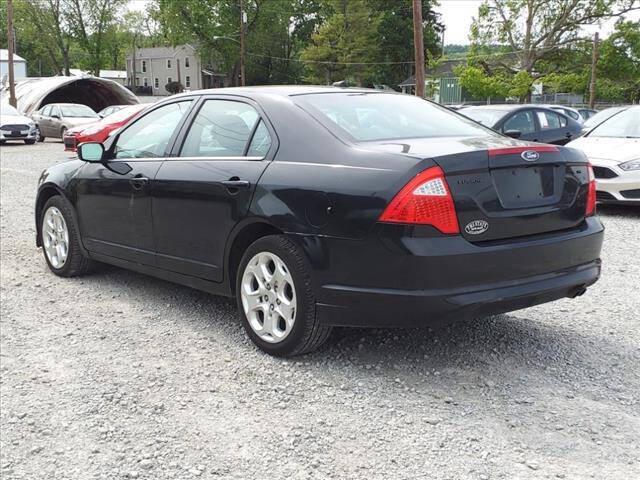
425 200
591 193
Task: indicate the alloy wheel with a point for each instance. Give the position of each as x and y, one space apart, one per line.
55 237
268 297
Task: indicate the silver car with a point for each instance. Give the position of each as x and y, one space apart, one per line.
55 119
15 126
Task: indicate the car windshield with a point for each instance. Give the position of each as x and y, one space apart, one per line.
626 125
6 109
600 117
384 116
77 111
485 116
122 114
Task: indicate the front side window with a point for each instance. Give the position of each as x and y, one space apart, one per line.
149 136
220 129
55 111
384 116
548 120
521 121
46 111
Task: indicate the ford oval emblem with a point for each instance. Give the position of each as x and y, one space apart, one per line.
530 156
476 227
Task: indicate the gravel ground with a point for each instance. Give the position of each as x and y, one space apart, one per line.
118 375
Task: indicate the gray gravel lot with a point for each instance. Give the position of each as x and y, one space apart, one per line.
118 375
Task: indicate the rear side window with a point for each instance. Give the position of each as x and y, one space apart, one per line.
549 120
220 129
521 121
261 141
384 116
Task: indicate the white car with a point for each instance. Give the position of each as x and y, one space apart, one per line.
613 148
15 126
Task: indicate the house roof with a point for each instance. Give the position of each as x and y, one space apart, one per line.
159 52
4 56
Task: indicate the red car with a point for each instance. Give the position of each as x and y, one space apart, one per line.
99 131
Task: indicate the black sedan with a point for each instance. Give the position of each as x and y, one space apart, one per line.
321 206
527 122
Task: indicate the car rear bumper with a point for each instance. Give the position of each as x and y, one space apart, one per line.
412 281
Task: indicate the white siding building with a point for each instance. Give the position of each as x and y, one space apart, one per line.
19 65
156 67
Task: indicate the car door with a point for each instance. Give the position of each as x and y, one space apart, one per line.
203 191
55 121
524 122
553 127
114 197
43 120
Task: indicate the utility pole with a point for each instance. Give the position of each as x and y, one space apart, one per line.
594 62
418 44
444 28
242 46
12 86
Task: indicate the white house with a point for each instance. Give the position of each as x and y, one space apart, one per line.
19 65
157 66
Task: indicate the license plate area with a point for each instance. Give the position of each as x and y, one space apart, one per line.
525 187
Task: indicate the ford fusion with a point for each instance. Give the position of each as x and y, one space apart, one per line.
318 207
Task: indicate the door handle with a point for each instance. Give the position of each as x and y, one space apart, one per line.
236 183
569 134
138 183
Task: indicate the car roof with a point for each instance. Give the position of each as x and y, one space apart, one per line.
283 90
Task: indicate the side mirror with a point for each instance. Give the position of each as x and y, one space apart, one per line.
55 115
513 133
91 152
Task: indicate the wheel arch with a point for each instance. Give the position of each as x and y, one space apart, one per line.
45 192
242 236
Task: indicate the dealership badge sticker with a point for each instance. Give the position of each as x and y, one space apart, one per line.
476 227
530 156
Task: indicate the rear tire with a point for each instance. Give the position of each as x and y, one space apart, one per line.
62 132
59 232
273 282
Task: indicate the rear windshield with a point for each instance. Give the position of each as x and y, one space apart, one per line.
384 116
625 124
485 116
77 111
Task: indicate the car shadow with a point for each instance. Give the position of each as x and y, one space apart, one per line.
491 348
627 211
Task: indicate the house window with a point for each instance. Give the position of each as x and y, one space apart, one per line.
137 81
145 81
186 62
168 63
156 83
187 81
169 80
144 66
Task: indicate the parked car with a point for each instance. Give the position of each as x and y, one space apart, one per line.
323 206
526 122
587 113
568 111
105 112
601 116
99 131
55 119
16 126
613 148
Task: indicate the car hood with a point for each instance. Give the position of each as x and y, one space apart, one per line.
74 121
80 128
608 148
14 120
435 147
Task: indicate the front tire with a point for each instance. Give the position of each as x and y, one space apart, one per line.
30 141
62 132
275 298
60 238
